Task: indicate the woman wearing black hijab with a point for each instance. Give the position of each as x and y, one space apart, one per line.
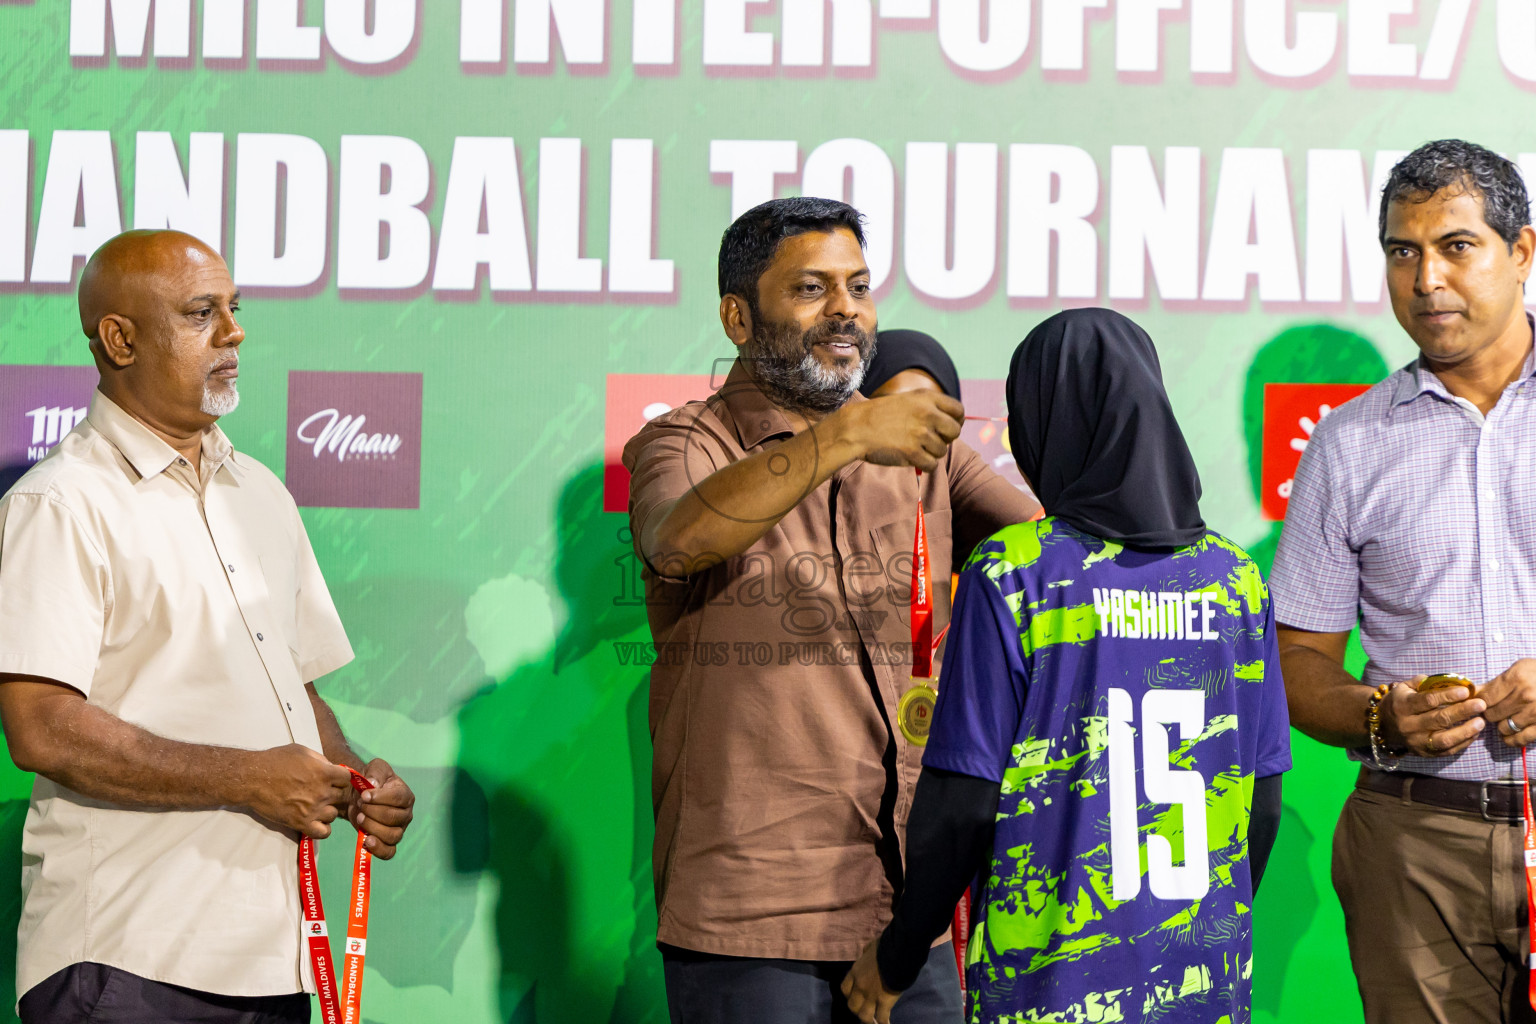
907 360
1094 434
1110 730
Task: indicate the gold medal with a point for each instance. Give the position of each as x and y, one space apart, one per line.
914 713
1446 680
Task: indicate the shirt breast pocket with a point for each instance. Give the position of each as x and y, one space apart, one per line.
894 547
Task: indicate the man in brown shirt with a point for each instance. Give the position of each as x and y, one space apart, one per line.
776 522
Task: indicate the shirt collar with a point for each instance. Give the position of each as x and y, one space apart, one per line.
754 416
147 453
1418 379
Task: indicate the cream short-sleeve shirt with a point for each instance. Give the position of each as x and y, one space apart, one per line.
191 606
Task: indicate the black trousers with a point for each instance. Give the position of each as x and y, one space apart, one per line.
99 994
706 989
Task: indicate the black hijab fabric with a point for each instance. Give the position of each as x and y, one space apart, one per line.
896 351
1092 430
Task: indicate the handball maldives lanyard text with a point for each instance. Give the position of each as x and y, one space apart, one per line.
914 712
349 1008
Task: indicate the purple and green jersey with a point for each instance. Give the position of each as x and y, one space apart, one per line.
1126 701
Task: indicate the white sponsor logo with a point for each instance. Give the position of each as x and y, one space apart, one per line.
357 947
316 929
49 425
343 436
1299 444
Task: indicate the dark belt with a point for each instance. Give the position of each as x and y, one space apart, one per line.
1500 800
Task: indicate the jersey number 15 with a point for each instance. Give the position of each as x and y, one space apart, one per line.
1163 785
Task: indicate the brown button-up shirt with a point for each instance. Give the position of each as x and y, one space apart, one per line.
781 788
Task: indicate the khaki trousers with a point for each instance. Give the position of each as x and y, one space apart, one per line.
1435 911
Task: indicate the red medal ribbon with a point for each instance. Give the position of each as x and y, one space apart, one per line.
924 645
348 1009
922 598
1530 872
960 934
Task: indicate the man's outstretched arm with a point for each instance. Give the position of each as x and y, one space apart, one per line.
729 510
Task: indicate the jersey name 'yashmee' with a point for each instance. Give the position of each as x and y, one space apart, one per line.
1126 701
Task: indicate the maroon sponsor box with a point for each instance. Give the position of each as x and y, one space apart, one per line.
38 406
354 439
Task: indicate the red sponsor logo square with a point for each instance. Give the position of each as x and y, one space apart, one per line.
633 400
354 439
38 406
1291 413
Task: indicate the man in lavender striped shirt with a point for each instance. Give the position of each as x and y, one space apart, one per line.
1413 513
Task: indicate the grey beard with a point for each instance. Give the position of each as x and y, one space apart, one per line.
804 383
220 401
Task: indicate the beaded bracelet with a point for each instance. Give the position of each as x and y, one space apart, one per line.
1373 727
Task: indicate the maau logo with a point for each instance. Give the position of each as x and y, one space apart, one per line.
354 439
332 433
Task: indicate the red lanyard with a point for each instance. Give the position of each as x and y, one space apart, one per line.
922 596
350 1009
960 934
924 644
1530 873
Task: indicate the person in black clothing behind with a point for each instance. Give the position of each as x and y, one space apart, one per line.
909 361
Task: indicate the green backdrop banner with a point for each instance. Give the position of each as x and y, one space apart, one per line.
477 247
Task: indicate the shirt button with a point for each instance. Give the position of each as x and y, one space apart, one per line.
181 462
1493 565
231 568
1498 638
1488 493
260 637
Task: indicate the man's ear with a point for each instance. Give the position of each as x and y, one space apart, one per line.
115 337
1523 250
736 318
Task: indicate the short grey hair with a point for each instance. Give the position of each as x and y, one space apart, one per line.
1455 163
